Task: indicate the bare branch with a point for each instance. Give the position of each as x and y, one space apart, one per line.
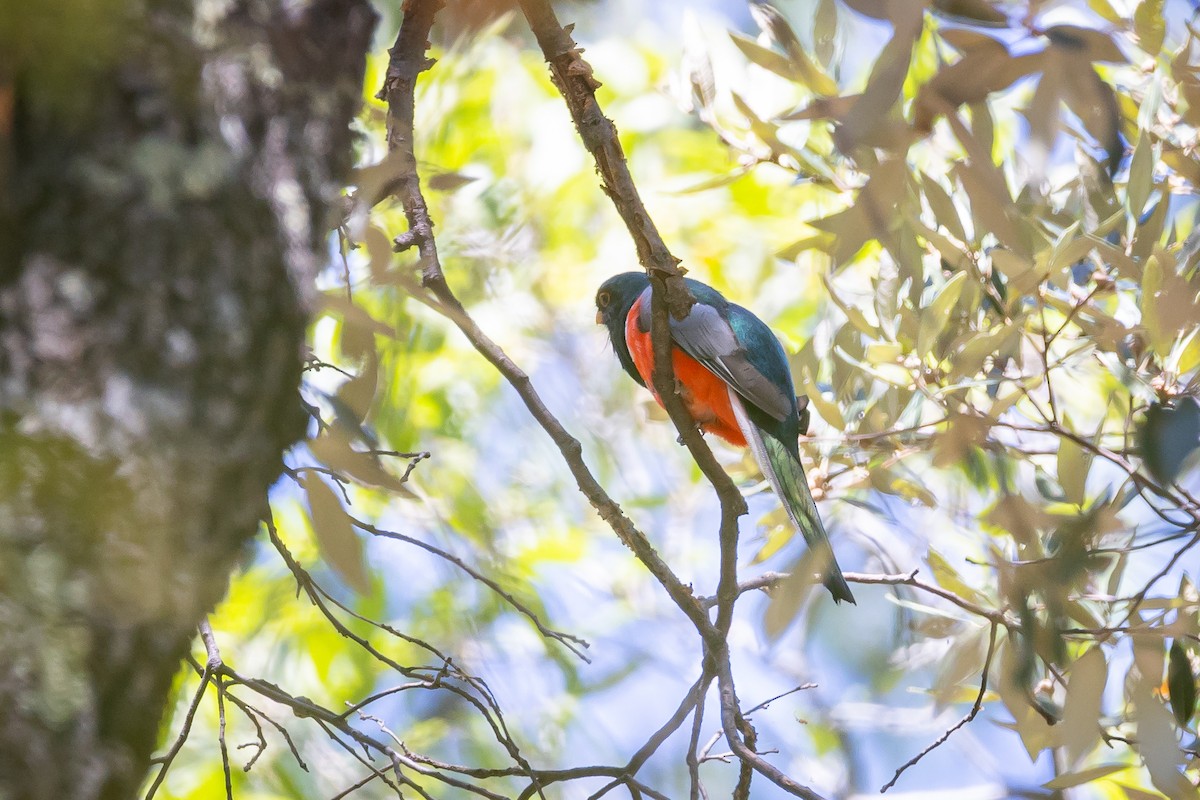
398 92
574 79
169 757
975 707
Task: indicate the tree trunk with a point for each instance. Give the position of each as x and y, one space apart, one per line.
167 169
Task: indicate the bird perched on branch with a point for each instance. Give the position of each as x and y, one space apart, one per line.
733 378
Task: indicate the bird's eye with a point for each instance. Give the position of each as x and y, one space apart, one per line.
603 299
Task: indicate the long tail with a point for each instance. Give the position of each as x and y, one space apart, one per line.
786 476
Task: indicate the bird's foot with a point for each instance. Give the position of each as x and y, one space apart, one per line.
805 414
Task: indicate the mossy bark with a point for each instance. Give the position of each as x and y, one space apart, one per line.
167 171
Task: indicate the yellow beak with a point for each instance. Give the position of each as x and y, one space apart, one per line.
599 317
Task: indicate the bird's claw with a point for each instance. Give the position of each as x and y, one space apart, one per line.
679 439
805 414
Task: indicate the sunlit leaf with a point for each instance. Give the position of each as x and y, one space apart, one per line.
866 121
978 12
1069 779
883 352
1181 684
1158 746
825 29
944 210
765 57
1089 43
1105 9
1141 175
340 546
991 205
1081 710
333 450
775 25
935 318
1150 23
787 598
1035 732
358 393
948 578
448 181
828 410
1134 793
963 663
979 73
1073 465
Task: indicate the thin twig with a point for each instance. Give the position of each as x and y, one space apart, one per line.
408 61
486 706
770 579
221 740
355 787
572 643
669 298
766 703
210 645
169 757
975 707
690 701
693 761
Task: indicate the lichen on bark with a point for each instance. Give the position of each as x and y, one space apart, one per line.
163 208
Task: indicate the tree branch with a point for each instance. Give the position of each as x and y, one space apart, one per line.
975 707
398 91
669 298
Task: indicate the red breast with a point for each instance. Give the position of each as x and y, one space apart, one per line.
705 395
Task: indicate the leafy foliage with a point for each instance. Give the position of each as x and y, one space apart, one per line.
980 250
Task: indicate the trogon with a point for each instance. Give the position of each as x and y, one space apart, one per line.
734 380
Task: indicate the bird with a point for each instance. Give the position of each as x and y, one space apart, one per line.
733 378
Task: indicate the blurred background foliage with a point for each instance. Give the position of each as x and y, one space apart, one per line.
972 225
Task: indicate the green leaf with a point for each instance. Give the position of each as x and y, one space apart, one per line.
358 393
943 208
1158 745
948 578
1141 175
1069 779
787 598
1152 297
448 181
1089 43
962 663
1181 684
853 315
776 26
883 352
1104 9
991 204
340 546
1150 24
1073 465
334 451
765 57
935 318
1168 436
1185 355
828 410
825 30
972 12
1081 709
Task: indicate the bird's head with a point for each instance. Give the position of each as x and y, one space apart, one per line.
614 298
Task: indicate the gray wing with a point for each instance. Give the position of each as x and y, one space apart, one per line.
707 336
